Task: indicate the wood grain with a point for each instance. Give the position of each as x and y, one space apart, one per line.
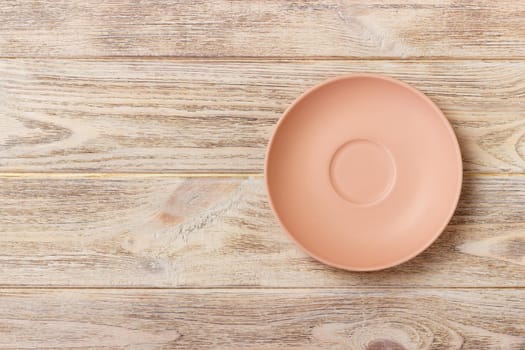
293 319
114 114
213 232
213 116
277 28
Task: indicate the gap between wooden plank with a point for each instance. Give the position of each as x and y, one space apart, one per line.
180 175
419 59
260 289
125 175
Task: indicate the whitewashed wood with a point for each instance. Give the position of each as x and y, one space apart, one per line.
122 231
192 115
352 28
270 319
202 116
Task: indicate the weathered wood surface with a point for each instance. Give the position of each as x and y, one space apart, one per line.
101 102
269 319
276 28
122 231
212 116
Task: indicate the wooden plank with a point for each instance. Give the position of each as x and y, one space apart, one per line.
212 116
270 319
353 28
219 232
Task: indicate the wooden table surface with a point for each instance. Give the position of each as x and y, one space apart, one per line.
133 212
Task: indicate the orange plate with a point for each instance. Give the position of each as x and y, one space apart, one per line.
364 172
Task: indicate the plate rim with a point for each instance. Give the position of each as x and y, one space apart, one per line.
444 119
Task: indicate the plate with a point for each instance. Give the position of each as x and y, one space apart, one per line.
363 172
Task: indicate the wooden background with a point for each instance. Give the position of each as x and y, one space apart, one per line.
133 212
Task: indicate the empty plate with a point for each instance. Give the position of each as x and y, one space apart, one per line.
363 172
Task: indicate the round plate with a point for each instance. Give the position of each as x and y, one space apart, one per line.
364 172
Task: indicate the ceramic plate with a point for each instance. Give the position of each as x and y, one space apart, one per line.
363 172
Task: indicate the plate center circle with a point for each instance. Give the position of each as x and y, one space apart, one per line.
362 171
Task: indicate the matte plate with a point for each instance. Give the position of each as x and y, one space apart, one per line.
363 172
